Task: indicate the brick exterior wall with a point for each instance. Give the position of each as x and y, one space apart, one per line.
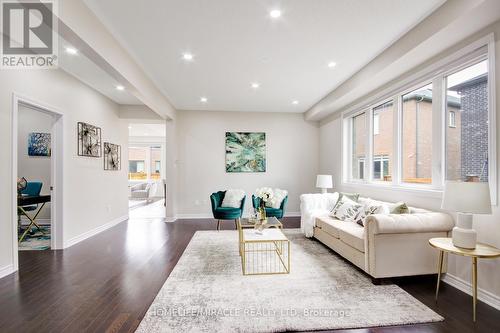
474 130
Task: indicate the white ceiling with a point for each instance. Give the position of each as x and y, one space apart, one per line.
89 73
235 42
147 130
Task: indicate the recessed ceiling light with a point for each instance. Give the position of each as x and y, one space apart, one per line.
203 100
120 88
187 56
275 13
332 64
295 102
255 85
71 50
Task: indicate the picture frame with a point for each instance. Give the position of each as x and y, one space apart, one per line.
245 152
89 140
112 156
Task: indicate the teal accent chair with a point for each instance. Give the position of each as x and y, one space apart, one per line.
276 212
32 189
225 213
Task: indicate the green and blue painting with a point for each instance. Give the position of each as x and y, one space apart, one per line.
245 152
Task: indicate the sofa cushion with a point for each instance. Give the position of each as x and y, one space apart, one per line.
329 225
227 213
352 234
349 232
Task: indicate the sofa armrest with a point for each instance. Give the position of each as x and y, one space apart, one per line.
408 223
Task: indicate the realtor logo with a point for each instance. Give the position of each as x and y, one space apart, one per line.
29 38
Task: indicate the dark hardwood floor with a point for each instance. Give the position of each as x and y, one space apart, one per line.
106 284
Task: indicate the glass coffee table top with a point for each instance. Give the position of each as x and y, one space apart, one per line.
272 222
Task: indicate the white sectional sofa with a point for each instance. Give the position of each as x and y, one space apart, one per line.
386 246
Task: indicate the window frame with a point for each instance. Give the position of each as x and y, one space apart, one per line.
435 73
452 121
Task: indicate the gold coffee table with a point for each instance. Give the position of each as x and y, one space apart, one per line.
481 251
263 253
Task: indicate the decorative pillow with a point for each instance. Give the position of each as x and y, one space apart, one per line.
371 207
353 196
346 209
277 199
400 208
233 198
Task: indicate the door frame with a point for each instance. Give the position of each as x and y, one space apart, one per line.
56 171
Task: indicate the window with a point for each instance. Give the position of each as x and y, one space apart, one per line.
358 146
452 119
381 168
137 170
155 162
416 141
144 162
382 142
376 124
361 168
467 141
423 136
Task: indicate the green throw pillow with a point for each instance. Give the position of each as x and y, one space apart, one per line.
400 208
353 196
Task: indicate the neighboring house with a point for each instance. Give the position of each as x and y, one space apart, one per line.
473 128
464 117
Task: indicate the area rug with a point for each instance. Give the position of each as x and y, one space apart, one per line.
206 292
36 240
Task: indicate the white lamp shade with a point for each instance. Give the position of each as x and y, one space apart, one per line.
324 181
467 197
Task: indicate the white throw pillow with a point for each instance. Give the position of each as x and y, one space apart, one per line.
233 198
277 199
346 210
371 207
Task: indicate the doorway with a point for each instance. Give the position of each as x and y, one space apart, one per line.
146 155
37 133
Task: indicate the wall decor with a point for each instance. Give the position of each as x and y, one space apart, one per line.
89 140
39 144
112 156
245 152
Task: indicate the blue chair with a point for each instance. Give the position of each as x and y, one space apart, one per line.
225 213
32 189
276 212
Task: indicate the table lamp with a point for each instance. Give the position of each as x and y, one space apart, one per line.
466 198
324 182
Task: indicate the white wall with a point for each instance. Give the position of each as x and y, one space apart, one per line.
292 157
487 226
92 197
34 168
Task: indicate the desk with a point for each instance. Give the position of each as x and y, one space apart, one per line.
481 251
23 201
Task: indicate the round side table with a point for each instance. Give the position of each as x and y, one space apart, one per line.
481 251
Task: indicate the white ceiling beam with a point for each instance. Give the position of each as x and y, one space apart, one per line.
79 25
345 93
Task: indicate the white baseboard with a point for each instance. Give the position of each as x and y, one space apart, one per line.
94 231
465 286
6 270
210 216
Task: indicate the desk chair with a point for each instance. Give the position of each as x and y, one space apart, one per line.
32 189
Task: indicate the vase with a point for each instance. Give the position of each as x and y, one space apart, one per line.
262 210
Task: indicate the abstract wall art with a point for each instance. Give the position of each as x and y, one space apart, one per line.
112 156
89 140
245 152
39 144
